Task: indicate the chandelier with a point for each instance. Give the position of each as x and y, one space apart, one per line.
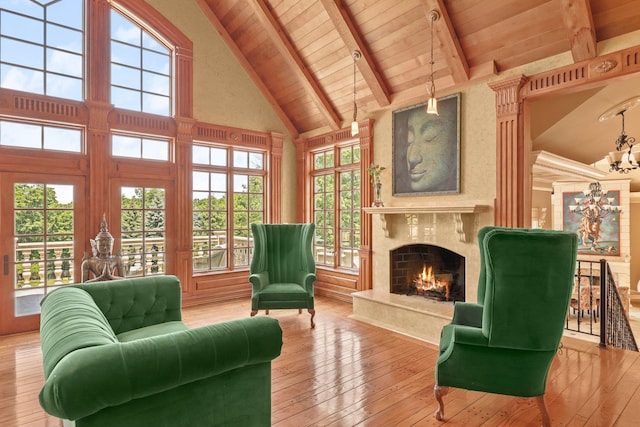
595 205
623 159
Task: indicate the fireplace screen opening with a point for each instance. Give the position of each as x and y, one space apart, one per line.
428 271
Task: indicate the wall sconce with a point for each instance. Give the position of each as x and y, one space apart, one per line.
354 124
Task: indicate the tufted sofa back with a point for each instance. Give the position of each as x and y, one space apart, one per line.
128 306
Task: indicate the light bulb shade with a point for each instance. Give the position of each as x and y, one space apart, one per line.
615 157
355 129
573 208
432 106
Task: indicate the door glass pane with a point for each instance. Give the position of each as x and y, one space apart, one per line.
143 230
44 236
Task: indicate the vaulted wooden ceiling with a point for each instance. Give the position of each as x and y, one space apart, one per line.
299 52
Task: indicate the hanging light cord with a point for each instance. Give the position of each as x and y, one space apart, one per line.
355 106
432 89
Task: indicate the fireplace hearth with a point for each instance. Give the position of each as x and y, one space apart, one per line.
427 271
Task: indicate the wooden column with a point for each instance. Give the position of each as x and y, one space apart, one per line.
365 251
183 208
305 213
275 172
512 204
98 108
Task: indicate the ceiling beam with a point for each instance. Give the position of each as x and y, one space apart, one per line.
581 32
293 61
253 75
449 43
349 33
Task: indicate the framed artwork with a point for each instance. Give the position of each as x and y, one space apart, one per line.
426 149
595 237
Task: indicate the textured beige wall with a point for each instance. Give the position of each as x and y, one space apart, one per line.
223 92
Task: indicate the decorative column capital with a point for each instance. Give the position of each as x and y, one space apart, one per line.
508 99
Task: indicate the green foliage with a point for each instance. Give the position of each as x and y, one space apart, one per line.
29 202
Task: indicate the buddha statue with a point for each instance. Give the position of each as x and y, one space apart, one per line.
102 265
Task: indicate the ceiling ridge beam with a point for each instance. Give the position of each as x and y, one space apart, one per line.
349 33
246 65
449 43
578 21
277 35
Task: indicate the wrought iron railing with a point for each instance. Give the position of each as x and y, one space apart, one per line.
596 307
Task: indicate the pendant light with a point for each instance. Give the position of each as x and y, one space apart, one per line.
354 124
432 104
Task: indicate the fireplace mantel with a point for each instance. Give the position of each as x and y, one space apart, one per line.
455 209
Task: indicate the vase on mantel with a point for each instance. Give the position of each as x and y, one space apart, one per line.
377 195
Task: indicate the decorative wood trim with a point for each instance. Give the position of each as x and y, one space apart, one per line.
584 74
294 63
512 165
98 64
40 107
230 135
275 173
343 23
581 32
142 122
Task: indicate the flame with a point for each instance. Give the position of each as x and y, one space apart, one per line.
426 276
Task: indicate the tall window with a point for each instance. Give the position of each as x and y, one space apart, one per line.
143 230
43 232
140 68
42 48
341 220
228 196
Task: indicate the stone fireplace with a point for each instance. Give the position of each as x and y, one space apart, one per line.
427 271
406 240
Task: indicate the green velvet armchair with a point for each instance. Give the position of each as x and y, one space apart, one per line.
506 342
283 270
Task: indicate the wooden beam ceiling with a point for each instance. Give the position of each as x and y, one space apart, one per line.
578 20
294 63
349 34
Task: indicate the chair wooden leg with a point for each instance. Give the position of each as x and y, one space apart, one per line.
313 314
439 393
546 421
254 312
299 311
266 312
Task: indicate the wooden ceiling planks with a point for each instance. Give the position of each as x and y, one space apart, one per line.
299 51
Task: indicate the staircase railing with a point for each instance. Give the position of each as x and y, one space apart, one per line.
596 299
615 330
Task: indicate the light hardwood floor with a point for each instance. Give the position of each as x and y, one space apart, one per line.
347 373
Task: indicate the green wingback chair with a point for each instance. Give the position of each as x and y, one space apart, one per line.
506 342
282 268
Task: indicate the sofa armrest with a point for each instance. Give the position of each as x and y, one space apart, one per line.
467 314
306 279
138 302
91 379
259 280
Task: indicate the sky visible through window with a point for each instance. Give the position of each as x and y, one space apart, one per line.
41 47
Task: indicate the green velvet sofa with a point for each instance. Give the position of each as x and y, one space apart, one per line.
117 354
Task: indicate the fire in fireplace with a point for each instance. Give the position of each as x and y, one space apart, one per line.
428 271
431 285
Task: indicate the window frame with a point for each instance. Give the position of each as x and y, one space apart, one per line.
230 171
